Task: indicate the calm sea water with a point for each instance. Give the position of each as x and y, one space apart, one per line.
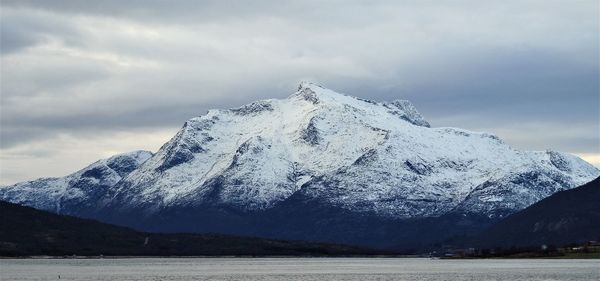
297 269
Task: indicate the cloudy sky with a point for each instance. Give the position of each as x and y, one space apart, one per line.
82 80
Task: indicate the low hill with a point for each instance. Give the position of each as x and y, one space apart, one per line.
570 216
25 231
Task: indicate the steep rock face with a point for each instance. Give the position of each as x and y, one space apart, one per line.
77 193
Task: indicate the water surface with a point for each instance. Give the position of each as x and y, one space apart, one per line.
297 269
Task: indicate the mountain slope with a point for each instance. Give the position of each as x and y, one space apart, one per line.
79 193
570 216
27 231
321 164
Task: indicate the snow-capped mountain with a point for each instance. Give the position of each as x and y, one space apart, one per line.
357 154
236 167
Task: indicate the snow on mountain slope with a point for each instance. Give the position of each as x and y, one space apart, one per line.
81 189
380 158
357 154
526 185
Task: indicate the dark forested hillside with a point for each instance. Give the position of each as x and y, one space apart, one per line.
26 231
570 216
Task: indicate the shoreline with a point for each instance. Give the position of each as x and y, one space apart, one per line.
574 257
200 257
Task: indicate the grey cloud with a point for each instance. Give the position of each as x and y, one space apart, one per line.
14 39
79 67
20 29
511 84
205 10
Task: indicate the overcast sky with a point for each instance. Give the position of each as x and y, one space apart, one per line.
82 80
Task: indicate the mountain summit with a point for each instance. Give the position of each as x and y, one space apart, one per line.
232 170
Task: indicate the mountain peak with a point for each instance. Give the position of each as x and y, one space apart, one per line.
407 111
316 94
307 84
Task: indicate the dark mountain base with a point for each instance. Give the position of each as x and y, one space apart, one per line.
309 220
26 231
